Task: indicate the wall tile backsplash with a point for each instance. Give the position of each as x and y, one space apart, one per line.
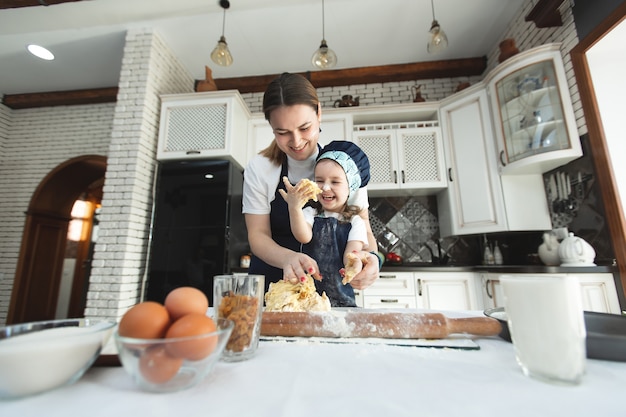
409 227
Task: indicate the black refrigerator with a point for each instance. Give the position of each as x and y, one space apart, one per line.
197 228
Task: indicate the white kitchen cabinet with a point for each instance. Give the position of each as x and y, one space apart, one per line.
403 156
427 290
204 125
478 199
335 126
358 297
473 201
447 291
391 290
492 293
536 126
598 291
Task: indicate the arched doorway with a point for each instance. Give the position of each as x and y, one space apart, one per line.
42 252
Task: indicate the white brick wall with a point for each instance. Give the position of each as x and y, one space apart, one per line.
38 140
148 70
5 121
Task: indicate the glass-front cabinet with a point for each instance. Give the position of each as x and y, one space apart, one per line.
535 123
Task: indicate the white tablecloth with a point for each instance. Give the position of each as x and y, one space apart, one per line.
303 379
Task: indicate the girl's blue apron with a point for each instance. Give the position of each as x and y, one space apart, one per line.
325 248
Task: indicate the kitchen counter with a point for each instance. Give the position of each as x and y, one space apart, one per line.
522 269
323 379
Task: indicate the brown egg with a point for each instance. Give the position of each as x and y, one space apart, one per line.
192 325
147 320
186 300
157 366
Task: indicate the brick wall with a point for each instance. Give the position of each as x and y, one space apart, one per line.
5 121
149 69
37 141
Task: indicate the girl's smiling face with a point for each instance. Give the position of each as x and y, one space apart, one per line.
331 178
296 130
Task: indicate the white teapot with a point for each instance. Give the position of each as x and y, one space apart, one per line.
549 250
575 251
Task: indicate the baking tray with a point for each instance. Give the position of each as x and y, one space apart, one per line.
606 333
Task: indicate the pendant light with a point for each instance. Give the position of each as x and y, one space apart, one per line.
221 55
324 57
438 39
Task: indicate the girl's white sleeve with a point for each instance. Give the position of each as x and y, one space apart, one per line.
309 214
358 231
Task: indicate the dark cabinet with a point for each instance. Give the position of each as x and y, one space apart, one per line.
197 229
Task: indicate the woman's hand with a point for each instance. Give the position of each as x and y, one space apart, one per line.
298 266
370 271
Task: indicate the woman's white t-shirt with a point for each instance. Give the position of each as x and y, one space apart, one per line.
261 177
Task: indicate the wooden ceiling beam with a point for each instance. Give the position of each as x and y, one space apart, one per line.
546 14
14 4
60 98
367 75
364 75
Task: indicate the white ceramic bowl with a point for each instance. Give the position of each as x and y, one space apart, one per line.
39 356
153 367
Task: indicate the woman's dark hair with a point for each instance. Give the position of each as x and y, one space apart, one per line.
286 90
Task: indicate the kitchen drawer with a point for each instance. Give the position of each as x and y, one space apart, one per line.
395 284
404 301
358 297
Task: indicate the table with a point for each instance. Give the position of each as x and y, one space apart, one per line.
322 379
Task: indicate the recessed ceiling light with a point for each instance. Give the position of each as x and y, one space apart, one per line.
40 52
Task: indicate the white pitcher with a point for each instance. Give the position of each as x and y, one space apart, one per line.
549 250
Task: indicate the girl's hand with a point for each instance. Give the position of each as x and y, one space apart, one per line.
370 271
297 196
298 266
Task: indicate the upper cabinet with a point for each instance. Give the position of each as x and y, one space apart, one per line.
473 201
204 125
478 199
533 114
405 154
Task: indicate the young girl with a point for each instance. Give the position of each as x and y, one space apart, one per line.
330 230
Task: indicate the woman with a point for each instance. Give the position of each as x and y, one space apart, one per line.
294 112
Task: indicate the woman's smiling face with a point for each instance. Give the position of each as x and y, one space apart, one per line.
296 130
331 178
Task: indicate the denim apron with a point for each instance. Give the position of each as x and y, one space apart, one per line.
327 246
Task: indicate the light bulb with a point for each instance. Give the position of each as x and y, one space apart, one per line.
221 55
438 40
324 57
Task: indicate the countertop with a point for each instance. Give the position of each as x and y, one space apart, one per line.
526 269
327 379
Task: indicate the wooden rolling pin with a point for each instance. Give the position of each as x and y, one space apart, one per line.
364 323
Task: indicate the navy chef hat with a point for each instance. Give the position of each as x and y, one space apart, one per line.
352 159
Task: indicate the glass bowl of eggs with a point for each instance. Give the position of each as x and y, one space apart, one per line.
172 346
